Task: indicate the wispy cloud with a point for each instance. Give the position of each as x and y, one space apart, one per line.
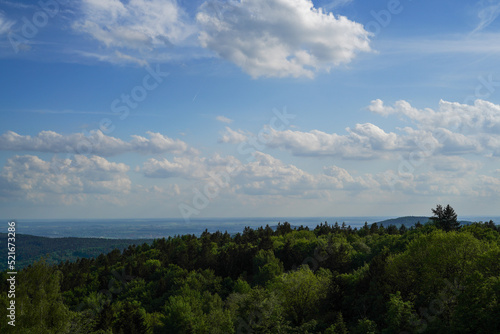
224 119
137 24
131 59
336 3
487 14
5 24
484 43
17 4
66 111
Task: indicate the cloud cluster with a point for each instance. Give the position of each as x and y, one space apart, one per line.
34 179
231 136
179 167
94 142
443 152
482 116
363 141
461 183
188 168
135 24
278 38
264 175
266 38
270 176
454 129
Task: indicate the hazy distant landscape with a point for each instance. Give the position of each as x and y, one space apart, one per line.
159 228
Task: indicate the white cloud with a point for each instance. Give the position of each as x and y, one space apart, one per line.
224 119
348 182
363 141
94 143
432 183
265 175
158 143
488 186
455 164
268 175
34 179
457 143
278 38
233 136
483 116
136 24
187 168
336 3
179 167
453 129
440 153
128 59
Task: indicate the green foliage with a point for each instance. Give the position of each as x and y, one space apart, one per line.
241 286
332 279
259 311
39 303
56 250
302 292
339 327
433 258
479 306
130 320
399 314
365 326
267 267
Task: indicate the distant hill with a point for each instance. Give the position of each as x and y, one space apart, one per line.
30 248
409 221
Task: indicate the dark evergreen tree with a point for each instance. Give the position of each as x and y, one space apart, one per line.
283 229
446 218
402 229
392 229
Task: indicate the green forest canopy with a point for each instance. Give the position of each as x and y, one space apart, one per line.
330 279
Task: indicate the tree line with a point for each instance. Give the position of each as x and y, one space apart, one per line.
437 277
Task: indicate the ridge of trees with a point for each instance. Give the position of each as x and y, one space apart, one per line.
329 279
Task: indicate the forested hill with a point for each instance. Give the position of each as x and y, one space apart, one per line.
331 279
407 221
412 220
31 248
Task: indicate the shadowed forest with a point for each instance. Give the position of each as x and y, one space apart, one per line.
437 277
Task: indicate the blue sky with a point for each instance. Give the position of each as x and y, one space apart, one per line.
161 108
